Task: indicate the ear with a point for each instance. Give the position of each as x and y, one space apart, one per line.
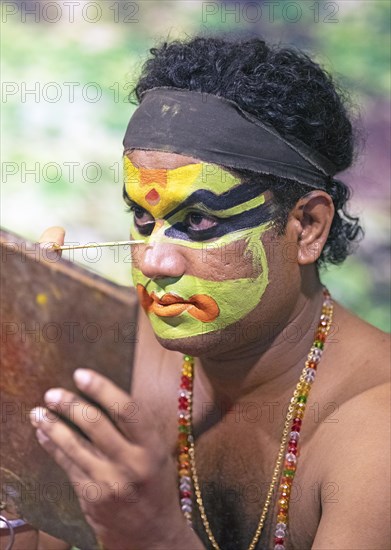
309 225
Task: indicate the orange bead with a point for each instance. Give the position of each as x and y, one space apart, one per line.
184 457
283 503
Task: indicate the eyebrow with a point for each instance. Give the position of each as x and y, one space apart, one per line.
245 220
211 201
248 219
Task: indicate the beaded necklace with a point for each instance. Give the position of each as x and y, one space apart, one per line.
287 455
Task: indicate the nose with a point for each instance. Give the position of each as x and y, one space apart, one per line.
161 259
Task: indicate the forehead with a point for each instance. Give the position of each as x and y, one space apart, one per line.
158 159
159 190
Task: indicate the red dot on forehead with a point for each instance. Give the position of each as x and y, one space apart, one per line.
152 197
148 177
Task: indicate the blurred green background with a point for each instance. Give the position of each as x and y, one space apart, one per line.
67 69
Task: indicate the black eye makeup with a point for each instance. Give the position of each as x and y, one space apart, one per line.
198 221
191 223
205 227
196 226
143 220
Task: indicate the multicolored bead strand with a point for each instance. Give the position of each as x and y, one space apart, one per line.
185 437
303 389
288 450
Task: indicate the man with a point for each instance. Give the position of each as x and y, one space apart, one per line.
229 174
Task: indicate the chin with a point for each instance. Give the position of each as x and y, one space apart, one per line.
208 344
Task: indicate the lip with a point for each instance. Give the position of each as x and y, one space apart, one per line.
200 306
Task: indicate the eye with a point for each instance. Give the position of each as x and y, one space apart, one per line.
199 222
143 220
141 216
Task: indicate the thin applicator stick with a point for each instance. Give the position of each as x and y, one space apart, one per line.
94 245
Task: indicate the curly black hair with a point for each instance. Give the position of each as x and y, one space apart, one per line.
283 87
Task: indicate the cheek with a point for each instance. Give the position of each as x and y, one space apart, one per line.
136 255
244 258
237 297
243 279
240 259
235 260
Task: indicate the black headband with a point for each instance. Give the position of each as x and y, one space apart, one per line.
216 130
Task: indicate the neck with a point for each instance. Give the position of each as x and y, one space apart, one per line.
271 365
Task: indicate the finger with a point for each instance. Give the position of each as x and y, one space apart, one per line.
133 418
75 474
90 419
75 453
52 235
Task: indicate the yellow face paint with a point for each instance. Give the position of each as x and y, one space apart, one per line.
160 191
203 300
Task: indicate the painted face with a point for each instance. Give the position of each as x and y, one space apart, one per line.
215 223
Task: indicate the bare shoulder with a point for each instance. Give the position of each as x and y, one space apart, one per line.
355 455
356 464
364 337
357 378
361 351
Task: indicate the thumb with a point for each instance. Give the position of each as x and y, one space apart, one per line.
52 235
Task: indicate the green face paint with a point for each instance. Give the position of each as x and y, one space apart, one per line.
236 214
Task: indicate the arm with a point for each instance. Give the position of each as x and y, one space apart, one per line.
28 538
358 463
47 542
124 475
127 462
